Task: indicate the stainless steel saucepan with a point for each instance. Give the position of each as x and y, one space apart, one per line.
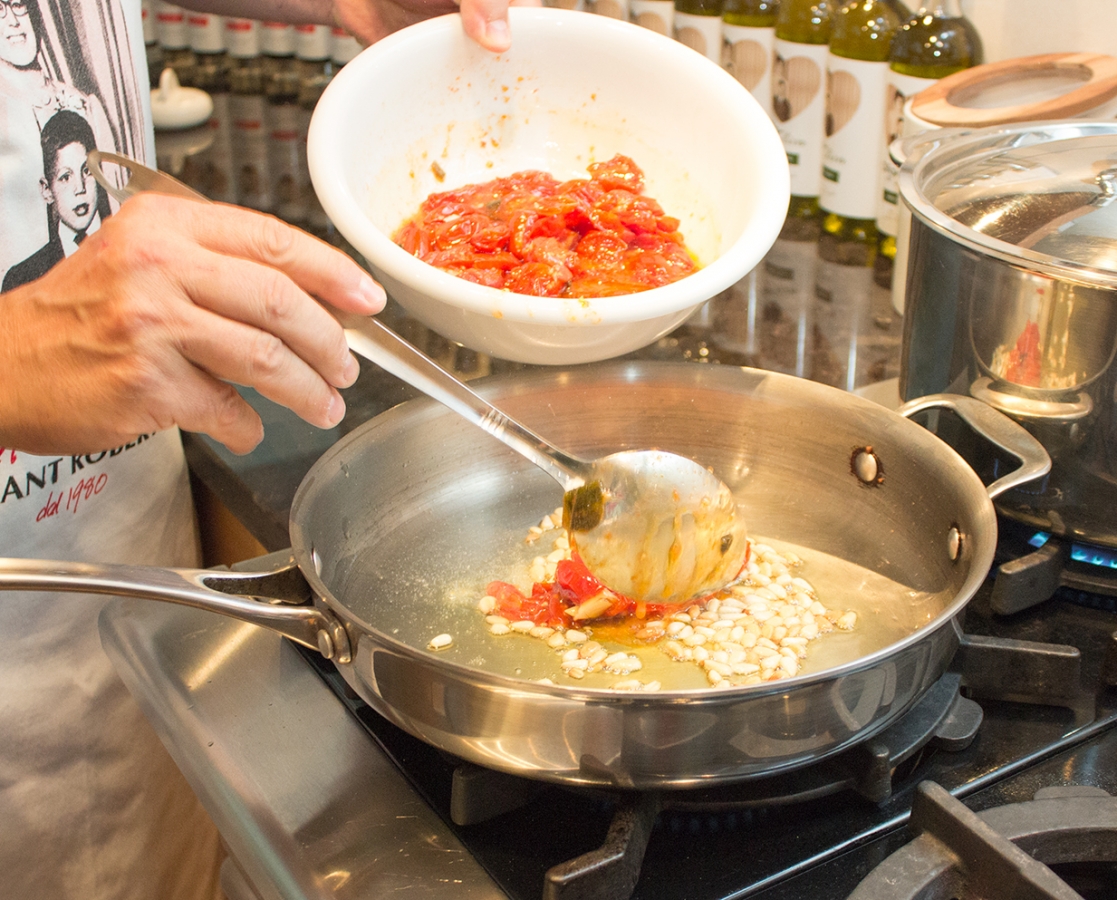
1009 292
397 529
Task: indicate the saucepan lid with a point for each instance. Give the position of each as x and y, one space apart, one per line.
1040 195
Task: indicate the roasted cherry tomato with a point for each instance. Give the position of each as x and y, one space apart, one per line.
531 234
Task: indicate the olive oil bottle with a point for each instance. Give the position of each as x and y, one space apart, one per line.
799 104
748 30
277 56
286 154
936 41
698 25
861 34
152 49
314 58
247 110
211 64
174 40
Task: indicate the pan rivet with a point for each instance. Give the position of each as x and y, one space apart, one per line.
325 644
954 543
866 466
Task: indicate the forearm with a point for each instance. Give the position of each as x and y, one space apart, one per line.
297 12
486 21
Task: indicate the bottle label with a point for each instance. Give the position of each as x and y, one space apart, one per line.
579 5
312 42
242 38
612 9
747 55
655 15
701 33
277 39
170 25
284 139
799 106
250 145
343 46
854 142
900 88
207 33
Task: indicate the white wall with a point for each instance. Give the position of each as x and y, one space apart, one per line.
1011 28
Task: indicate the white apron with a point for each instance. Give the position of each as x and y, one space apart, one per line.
91 805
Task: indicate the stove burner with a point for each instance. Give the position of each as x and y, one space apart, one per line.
1041 564
1003 853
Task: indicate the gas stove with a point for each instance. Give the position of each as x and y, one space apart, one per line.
1021 690
318 797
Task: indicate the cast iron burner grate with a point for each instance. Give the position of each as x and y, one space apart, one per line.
1033 850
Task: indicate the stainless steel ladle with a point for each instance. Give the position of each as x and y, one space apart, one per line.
650 525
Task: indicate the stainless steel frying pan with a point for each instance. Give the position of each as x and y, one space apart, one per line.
396 530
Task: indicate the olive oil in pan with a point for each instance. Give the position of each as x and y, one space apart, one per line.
444 604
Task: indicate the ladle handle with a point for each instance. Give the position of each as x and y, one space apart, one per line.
140 178
380 345
369 338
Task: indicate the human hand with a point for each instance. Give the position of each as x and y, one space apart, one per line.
486 21
159 312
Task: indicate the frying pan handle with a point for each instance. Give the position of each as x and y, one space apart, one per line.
996 428
248 596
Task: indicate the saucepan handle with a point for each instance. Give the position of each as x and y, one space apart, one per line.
278 599
996 428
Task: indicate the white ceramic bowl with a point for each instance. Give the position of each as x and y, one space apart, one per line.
575 88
